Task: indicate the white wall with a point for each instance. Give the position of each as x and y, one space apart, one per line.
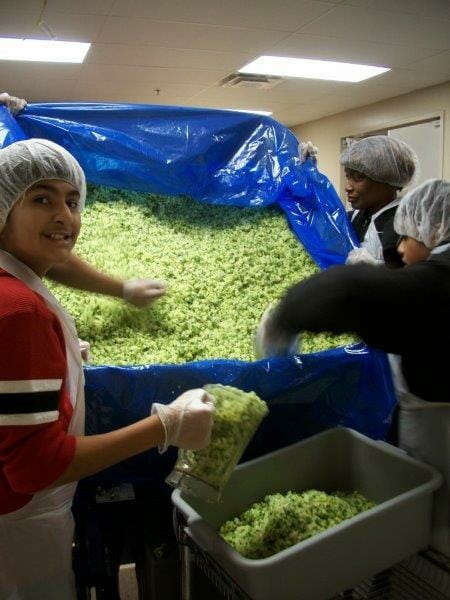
326 133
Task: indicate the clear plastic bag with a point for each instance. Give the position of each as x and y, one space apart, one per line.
204 473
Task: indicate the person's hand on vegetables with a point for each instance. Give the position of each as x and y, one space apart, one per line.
142 292
270 340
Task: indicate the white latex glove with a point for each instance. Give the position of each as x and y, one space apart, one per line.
187 421
141 292
308 150
14 104
268 341
85 350
362 255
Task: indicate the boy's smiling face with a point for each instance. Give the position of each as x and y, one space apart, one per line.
43 226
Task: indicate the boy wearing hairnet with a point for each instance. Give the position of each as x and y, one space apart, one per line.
414 326
43 450
77 273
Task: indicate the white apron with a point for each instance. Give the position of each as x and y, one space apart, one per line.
372 241
424 433
36 540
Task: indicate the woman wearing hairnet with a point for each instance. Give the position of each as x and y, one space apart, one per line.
43 451
414 325
79 274
376 168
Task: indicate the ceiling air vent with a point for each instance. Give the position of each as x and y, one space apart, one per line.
245 80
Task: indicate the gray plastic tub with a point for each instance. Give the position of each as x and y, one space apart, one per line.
342 556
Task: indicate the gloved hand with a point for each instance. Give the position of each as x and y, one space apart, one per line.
85 350
14 104
271 341
187 421
141 292
362 255
307 150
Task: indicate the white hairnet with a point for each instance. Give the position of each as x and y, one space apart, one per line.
424 213
24 163
383 159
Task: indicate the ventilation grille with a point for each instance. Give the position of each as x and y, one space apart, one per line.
245 80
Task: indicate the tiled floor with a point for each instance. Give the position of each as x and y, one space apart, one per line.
127 583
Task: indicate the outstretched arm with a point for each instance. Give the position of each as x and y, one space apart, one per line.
378 304
79 274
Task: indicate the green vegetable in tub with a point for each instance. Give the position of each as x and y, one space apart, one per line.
282 520
236 418
223 266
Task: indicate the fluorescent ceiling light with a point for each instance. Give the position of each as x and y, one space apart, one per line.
43 50
265 113
311 69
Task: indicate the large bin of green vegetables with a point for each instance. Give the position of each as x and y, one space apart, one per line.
336 559
218 161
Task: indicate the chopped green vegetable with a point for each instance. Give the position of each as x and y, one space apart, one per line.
282 520
223 266
236 418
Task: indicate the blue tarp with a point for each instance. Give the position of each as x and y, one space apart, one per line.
214 156
306 394
229 158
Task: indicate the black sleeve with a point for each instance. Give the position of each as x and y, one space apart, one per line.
374 302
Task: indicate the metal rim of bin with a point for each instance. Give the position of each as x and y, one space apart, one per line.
423 576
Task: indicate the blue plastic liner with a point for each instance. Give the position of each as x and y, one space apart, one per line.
306 394
228 158
214 156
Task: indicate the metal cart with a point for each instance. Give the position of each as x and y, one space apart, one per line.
423 576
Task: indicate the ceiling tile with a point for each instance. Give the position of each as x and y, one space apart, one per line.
17 24
151 56
299 114
407 77
287 15
31 6
36 71
86 7
77 28
179 35
290 91
79 7
439 63
122 8
382 27
71 28
349 50
129 75
121 95
42 90
205 101
430 8
110 90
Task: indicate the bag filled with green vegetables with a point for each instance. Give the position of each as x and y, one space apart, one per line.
204 473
